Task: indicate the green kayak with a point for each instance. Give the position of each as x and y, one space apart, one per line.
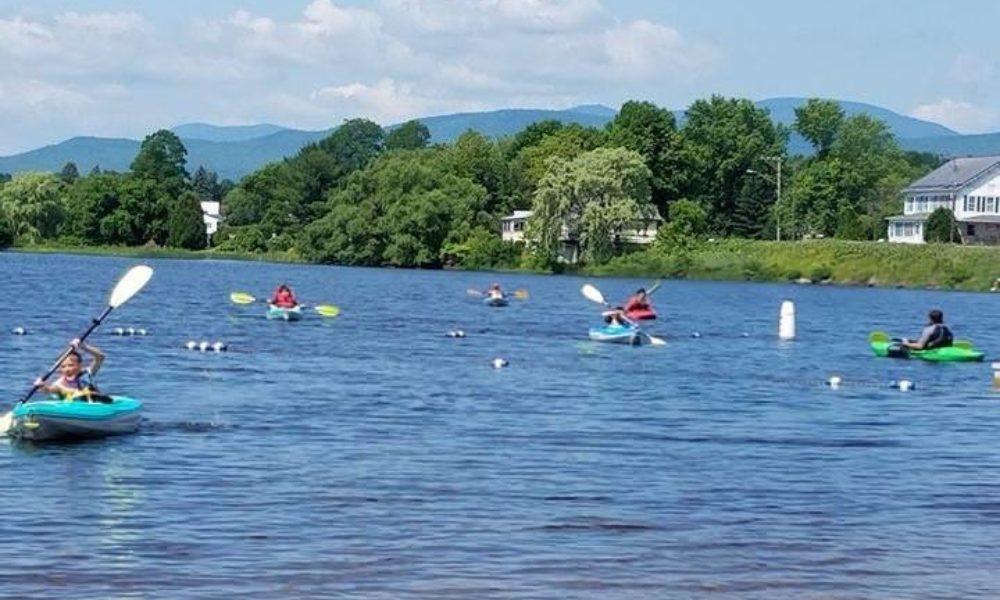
958 353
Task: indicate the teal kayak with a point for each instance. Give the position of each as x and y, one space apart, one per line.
45 420
497 302
616 334
284 314
941 354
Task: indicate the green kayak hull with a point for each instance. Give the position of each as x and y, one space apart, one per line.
945 354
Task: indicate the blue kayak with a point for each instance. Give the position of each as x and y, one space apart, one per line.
284 314
491 301
616 334
69 419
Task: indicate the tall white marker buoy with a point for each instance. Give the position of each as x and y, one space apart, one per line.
786 322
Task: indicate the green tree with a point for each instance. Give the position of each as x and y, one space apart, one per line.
819 121
88 202
69 173
141 215
686 227
941 227
412 135
186 225
33 205
354 144
205 183
652 132
401 210
162 158
474 157
724 138
589 199
532 134
6 229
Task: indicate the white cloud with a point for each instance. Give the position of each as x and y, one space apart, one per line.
39 97
386 101
547 15
323 17
643 48
25 38
961 116
104 24
244 19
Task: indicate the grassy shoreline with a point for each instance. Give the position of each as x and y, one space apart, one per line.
931 266
874 264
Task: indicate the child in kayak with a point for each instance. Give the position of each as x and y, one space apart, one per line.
74 380
935 335
495 293
616 317
638 305
283 297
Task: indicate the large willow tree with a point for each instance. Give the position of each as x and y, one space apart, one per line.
589 199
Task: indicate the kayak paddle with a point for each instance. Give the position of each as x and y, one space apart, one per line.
323 310
521 294
129 285
653 288
594 295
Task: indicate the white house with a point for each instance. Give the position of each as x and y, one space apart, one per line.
969 187
210 215
642 233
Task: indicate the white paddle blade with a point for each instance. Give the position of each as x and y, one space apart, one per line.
593 294
656 341
5 422
129 285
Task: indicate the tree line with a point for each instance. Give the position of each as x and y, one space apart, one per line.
368 196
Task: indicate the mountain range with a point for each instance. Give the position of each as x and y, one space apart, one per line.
233 151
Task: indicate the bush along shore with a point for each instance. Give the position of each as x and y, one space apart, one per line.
931 266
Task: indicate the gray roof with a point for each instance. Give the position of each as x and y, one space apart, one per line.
982 219
954 175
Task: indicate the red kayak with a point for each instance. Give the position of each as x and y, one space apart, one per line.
641 314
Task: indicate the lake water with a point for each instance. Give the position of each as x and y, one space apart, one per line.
372 456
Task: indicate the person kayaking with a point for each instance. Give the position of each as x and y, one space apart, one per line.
935 335
638 306
74 380
283 297
617 317
495 292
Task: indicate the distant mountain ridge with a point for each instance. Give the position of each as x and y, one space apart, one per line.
234 151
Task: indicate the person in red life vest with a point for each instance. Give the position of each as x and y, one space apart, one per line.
638 306
283 297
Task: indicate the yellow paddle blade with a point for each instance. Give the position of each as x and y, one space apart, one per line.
521 294
878 337
242 298
327 310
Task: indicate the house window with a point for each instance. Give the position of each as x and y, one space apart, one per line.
991 204
970 230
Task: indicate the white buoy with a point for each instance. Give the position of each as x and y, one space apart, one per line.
119 331
695 334
996 374
131 330
903 385
786 322
191 345
204 346
458 333
141 332
834 382
19 331
499 363
219 347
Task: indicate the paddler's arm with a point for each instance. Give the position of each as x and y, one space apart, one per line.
93 351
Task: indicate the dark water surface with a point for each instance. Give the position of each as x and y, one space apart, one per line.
371 456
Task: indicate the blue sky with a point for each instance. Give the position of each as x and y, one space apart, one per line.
121 68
